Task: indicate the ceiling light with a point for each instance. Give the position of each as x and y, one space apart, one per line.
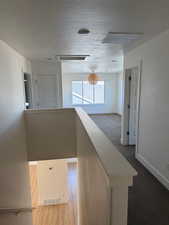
93 78
83 31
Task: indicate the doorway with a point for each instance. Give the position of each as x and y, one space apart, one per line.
132 105
130 120
46 91
54 191
28 91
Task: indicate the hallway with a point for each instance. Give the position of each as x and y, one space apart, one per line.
61 214
148 199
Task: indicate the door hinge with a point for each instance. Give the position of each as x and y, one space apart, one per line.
129 78
128 133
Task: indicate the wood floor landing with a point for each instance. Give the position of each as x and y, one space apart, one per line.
65 214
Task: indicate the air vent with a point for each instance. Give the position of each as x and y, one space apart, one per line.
121 38
71 57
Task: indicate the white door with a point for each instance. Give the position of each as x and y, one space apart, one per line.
47 92
52 182
133 98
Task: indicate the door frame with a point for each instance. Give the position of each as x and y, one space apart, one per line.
126 97
31 88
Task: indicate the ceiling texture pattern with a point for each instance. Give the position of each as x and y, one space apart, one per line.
40 29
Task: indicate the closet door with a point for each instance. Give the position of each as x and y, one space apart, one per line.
47 92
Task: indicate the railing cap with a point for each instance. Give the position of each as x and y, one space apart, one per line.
115 165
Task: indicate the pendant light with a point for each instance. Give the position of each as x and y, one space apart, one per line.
93 78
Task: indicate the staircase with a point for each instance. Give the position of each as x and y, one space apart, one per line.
104 175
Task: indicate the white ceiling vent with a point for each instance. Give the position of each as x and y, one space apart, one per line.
121 38
71 57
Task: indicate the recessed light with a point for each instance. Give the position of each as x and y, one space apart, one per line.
83 31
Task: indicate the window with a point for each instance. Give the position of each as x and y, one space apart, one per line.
85 93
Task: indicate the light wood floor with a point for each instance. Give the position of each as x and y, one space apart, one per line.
65 214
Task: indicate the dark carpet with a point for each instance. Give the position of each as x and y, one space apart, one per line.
148 198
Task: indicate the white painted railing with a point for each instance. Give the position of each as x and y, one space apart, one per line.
104 174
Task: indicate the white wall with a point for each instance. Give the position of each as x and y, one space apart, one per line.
14 188
111 92
50 134
153 147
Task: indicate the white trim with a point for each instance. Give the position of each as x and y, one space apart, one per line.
72 160
59 94
24 95
31 90
33 163
138 105
124 140
153 170
105 150
16 211
125 115
124 136
82 104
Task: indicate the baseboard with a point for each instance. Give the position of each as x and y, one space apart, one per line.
102 114
33 163
71 160
123 141
153 170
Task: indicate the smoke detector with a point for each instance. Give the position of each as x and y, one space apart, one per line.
121 38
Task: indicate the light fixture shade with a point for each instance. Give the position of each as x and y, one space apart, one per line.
93 78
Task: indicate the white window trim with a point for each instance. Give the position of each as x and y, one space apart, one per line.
92 104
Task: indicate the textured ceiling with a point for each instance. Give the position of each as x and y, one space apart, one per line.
40 29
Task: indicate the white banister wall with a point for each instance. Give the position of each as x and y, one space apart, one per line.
50 134
104 174
94 184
